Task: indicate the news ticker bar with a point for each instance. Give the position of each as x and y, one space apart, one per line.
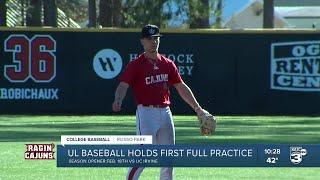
189 155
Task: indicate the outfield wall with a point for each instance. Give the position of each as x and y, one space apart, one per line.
230 72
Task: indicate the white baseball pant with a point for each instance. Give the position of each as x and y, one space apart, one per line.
157 122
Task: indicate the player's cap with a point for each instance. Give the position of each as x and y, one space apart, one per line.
150 30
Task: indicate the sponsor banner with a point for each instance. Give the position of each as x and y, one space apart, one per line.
31 59
295 66
56 72
241 155
230 73
29 94
103 139
107 63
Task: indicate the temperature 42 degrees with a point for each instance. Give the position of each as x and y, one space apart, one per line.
272 160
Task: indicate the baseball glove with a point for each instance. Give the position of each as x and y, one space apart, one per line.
207 123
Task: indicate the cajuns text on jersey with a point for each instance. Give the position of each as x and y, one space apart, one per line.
149 81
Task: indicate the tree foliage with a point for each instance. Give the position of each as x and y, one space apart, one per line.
199 13
75 9
136 13
160 12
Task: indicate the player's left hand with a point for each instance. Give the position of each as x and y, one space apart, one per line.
207 122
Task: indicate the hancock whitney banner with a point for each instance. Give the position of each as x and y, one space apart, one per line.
257 155
230 72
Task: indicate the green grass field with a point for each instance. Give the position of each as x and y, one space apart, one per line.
16 131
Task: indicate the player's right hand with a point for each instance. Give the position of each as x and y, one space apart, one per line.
116 106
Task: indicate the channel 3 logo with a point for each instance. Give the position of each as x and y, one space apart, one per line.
296 154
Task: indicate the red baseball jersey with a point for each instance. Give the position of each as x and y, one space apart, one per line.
151 81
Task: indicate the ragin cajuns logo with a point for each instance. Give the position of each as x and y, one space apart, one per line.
39 151
32 59
295 66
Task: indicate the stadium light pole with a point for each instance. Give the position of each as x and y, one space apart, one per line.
268 14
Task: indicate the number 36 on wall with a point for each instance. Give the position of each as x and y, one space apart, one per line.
31 58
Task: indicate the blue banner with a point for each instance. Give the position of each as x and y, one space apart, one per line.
187 155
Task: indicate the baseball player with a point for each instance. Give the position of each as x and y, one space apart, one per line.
150 76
